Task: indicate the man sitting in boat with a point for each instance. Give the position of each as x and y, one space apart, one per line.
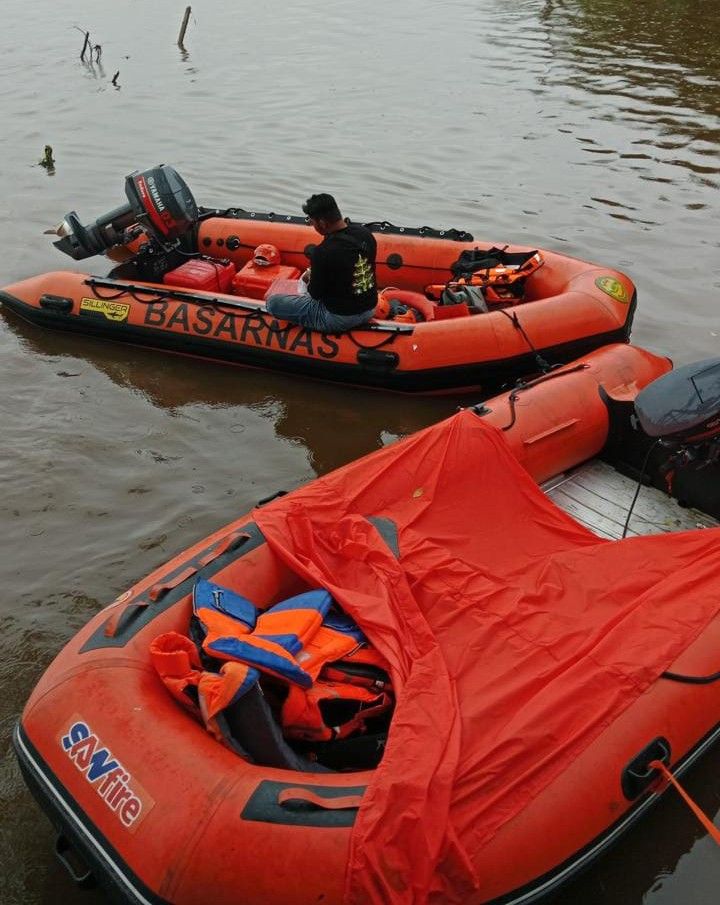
341 286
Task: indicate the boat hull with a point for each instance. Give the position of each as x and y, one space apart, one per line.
211 822
570 308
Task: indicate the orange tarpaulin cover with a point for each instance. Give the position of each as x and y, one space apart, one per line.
514 637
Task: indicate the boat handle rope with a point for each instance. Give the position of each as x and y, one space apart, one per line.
110 298
384 342
161 295
694 807
161 588
230 307
513 397
515 321
691 680
382 226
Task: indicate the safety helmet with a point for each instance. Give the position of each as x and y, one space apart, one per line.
266 255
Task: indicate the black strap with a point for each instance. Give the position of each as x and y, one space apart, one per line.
473 259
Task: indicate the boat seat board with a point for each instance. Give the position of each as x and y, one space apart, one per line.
598 496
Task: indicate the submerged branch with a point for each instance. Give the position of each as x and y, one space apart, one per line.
183 27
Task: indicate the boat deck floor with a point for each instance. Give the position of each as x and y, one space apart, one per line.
599 497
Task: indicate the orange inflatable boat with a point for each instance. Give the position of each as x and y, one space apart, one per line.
453 313
541 674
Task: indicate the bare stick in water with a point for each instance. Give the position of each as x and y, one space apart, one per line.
114 79
85 46
183 27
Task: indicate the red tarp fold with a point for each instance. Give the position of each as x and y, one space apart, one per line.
514 636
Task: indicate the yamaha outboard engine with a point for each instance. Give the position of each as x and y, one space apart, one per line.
159 201
681 412
683 406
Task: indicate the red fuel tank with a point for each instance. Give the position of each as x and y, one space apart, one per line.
209 274
254 280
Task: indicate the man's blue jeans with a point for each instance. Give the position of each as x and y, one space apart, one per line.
305 310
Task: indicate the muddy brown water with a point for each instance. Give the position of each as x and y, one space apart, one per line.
586 126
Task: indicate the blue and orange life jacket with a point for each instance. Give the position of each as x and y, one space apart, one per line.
335 680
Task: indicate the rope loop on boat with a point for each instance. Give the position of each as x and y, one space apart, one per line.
387 341
379 226
231 310
512 398
157 294
691 680
515 321
110 298
271 324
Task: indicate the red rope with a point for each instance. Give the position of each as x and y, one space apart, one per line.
695 808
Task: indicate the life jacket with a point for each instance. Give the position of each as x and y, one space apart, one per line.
499 273
335 679
273 641
205 694
347 693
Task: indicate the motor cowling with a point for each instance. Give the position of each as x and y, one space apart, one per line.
159 201
683 407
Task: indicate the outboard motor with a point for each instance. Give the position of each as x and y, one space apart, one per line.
159 202
681 411
683 406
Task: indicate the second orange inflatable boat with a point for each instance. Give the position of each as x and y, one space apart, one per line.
537 669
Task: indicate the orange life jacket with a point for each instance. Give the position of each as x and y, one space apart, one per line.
319 652
205 694
347 693
503 280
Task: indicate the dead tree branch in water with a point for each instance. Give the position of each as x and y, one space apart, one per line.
88 46
183 27
90 49
114 79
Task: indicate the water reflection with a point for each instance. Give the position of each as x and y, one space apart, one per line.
677 37
95 69
656 66
333 423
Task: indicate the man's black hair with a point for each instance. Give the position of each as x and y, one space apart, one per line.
322 207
